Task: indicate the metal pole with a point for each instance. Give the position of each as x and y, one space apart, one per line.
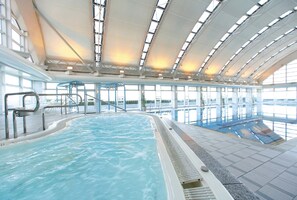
86 100
115 97
108 98
43 120
6 117
125 107
24 117
15 134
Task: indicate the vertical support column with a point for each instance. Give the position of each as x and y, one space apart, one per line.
115 97
200 108
98 98
108 95
85 99
174 103
125 107
8 39
235 103
249 102
2 92
219 103
259 101
141 98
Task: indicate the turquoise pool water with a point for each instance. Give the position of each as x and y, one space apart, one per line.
99 157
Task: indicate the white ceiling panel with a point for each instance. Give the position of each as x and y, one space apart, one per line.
74 24
126 25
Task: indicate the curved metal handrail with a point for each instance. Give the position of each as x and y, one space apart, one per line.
18 110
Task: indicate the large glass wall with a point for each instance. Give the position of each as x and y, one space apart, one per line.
279 100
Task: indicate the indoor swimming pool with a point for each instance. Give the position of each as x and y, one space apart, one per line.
95 157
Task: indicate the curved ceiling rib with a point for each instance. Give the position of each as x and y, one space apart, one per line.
263 49
99 12
268 59
198 26
260 32
227 35
155 22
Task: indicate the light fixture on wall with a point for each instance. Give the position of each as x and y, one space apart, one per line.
69 70
190 78
122 74
160 76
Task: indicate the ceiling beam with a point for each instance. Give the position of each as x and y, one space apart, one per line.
36 44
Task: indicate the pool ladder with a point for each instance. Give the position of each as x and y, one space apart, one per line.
19 112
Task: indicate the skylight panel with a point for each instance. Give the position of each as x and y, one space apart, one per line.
153 27
199 70
162 3
99 13
190 37
146 46
286 14
263 29
262 2
242 19
238 51
204 16
174 66
143 56
277 53
289 31
141 62
197 27
245 44
273 22
177 60
227 63
291 44
279 37
225 37
218 45
206 59
149 37
254 56
186 44
254 37
158 14
270 43
253 9
181 54
212 5
102 2
233 28
233 57
247 62
262 49
212 52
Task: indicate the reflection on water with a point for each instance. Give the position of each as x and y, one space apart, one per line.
273 125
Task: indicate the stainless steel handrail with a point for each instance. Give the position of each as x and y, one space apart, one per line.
18 110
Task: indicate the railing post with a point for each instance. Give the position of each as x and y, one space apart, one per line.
6 117
15 133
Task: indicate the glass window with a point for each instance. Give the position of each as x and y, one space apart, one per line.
131 87
51 85
11 80
27 83
89 86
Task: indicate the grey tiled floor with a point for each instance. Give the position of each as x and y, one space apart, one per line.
268 171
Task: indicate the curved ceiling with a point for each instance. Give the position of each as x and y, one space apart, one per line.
219 40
